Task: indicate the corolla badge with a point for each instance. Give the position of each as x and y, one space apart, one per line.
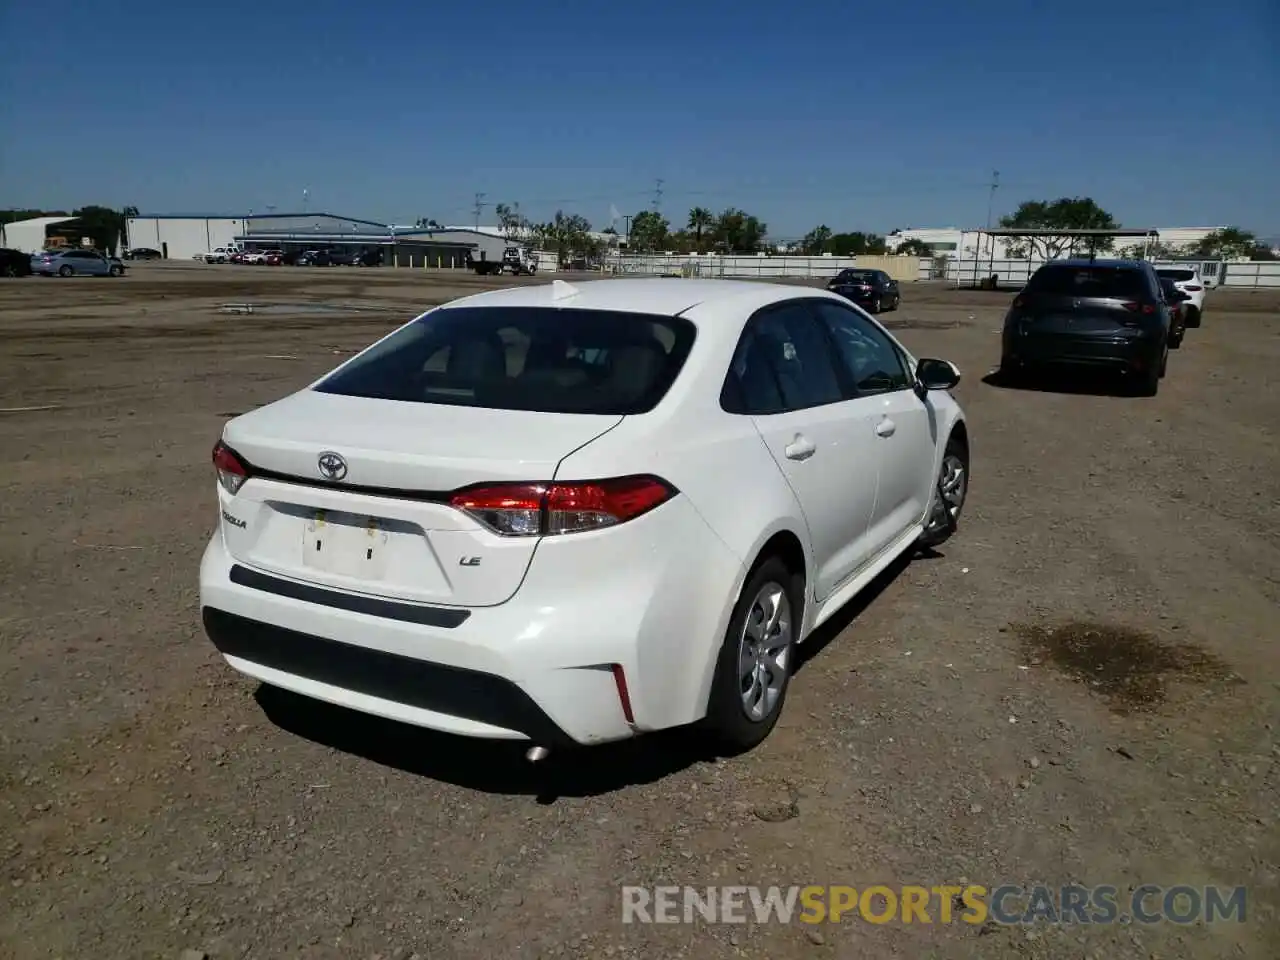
332 466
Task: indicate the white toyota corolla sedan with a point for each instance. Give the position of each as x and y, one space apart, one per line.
573 514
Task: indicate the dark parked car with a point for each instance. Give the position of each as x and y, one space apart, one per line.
1177 303
14 263
143 253
873 290
1108 314
314 258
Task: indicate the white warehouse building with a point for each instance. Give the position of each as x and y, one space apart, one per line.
965 244
182 236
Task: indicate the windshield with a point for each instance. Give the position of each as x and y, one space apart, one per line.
524 358
1102 282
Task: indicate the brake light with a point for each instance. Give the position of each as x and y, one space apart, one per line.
546 509
1193 287
1134 307
232 472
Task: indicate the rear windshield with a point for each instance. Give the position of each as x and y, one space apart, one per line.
524 358
1108 282
856 276
1178 276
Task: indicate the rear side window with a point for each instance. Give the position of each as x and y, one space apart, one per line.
524 358
1108 282
1178 276
783 362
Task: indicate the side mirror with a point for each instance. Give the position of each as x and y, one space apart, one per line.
937 374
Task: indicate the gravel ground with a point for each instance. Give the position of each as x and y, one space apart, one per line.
1083 686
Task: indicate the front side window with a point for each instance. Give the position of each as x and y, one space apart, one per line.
524 358
873 362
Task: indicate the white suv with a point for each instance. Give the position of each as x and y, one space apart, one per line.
1187 279
571 514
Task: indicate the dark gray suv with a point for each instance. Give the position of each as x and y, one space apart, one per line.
1109 314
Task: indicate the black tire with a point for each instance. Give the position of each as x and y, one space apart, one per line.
727 722
945 509
65 271
1175 339
10 270
117 271
1193 317
876 305
1147 383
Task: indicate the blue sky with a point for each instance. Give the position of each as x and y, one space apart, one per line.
860 116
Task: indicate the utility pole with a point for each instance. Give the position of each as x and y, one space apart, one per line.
480 205
628 219
657 196
991 242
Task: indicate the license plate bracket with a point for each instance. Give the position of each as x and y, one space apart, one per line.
345 544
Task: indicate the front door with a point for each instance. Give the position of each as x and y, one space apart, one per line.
903 427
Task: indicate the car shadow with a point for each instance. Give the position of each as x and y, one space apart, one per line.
1086 382
500 767
844 617
490 766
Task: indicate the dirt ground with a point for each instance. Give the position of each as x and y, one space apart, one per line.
1083 686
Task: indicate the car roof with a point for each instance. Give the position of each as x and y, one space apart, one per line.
661 296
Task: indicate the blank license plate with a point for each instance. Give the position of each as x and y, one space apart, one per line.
345 544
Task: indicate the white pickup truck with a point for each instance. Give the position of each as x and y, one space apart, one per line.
218 254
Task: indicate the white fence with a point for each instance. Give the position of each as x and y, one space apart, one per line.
707 266
1013 274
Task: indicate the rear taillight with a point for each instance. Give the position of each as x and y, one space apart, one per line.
545 509
232 472
1193 288
1134 307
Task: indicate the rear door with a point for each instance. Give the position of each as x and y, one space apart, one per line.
1086 300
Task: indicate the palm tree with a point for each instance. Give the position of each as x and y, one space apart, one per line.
700 218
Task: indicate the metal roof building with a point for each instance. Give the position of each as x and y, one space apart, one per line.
29 236
183 236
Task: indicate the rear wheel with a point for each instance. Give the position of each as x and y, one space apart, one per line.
757 656
1193 317
117 270
65 271
875 305
1147 381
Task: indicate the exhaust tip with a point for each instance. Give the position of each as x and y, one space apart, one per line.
534 754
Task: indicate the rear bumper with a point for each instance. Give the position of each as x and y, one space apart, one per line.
539 667
1106 352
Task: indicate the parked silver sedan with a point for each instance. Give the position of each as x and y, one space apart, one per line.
69 263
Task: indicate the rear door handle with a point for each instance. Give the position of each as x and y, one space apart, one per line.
800 448
886 428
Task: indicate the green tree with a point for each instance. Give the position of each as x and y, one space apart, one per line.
700 219
914 248
816 240
512 224
856 244
426 223
649 231
567 235
1065 213
739 232
1231 243
103 225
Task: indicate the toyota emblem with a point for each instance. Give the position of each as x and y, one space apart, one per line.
332 466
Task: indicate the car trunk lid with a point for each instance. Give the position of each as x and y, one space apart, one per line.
375 518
